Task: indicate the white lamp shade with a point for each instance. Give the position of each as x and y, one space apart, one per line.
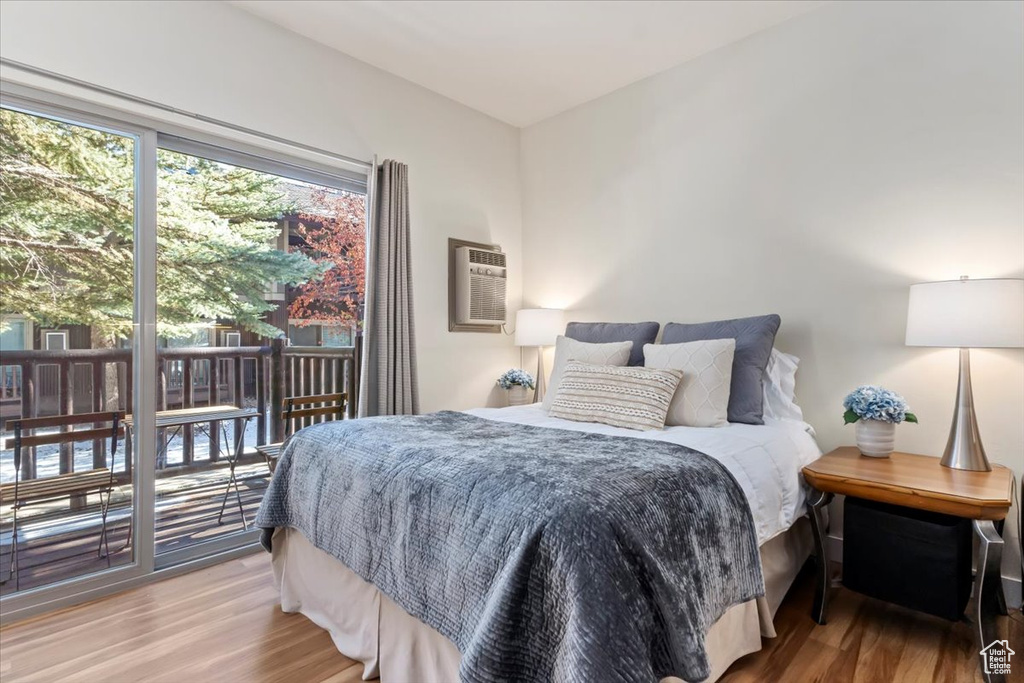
967 314
539 326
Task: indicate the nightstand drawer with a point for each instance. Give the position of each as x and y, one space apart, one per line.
913 558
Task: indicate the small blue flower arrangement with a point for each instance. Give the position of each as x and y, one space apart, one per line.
876 403
516 378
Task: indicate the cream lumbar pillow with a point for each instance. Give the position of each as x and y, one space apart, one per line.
614 353
620 396
702 399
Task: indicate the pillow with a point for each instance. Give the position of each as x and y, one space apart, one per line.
702 399
597 354
754 340
630 397
603 333
780 387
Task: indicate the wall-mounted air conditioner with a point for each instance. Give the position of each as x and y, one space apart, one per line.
480 277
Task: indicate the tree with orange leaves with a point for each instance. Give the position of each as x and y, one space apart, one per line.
334 234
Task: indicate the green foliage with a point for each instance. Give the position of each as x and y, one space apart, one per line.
216 245
66 223
849 417
66 233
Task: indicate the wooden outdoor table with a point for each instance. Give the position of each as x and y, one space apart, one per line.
176 420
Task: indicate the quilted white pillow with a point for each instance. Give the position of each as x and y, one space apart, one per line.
615 353
702 399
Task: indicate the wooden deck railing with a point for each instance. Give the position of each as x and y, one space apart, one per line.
37 383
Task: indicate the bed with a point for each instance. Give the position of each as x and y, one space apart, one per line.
369 626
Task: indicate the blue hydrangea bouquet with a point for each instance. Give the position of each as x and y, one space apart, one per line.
515 383
516 378
876 403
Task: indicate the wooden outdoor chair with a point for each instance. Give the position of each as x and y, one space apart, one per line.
331 406
20 494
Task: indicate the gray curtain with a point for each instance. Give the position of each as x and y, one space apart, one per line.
388 385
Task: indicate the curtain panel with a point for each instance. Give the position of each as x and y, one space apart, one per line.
388 383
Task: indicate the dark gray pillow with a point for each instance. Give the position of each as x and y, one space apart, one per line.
754 340
603 333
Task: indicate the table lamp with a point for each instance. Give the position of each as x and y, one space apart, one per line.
539 327
966 313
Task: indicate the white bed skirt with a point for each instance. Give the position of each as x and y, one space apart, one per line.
370 628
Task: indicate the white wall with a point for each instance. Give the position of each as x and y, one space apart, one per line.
213 59
814 170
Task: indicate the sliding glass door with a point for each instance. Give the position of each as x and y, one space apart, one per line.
164 296
67 326
247 253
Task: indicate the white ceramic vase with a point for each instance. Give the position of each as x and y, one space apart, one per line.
518 395
876 438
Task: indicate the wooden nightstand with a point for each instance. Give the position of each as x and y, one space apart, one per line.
919 481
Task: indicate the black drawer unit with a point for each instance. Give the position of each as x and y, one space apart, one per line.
912 558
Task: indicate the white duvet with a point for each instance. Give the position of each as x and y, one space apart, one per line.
766 460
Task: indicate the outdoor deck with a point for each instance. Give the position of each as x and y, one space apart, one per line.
59 540
60 544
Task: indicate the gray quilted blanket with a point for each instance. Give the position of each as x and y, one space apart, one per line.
543 554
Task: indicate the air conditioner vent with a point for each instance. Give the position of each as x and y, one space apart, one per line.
487 258
479 286
486 297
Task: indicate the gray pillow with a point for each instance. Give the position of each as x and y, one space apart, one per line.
754 340
605 333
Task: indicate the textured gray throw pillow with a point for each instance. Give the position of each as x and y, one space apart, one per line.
754 340
633 398
605 333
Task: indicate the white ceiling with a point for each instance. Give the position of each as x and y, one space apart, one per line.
522 62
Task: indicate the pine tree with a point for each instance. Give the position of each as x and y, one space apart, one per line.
67 235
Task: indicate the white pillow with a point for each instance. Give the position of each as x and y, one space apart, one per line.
780 387
615 353
702 398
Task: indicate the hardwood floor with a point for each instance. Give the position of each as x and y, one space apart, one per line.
220 624
865 641
224 624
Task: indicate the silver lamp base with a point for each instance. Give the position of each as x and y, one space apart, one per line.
964 450
538 394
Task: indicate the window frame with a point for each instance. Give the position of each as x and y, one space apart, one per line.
27 330
63 335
